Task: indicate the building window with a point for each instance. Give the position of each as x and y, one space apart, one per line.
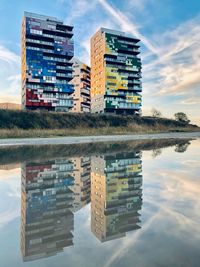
58 42
49 79
111 84
52 27
35 23
36 32
111 77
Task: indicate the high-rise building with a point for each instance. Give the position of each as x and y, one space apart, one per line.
47 219
82 184
81 82
115 73
116 194
47 50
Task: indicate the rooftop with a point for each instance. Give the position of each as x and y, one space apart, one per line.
119 33
42 17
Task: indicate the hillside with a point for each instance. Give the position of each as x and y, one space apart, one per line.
51 124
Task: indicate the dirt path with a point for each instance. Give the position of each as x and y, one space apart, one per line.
91 139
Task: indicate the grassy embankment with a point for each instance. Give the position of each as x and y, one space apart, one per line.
15 124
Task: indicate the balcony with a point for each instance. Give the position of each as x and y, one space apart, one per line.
85 92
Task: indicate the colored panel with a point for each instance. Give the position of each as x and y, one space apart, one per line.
47 51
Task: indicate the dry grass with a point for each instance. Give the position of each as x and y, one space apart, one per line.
131 129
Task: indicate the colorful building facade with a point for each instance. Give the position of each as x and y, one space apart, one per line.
82 182
47 50
47 219
116 195
53 190
81 83
115 73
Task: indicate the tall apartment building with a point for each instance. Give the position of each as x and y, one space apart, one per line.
81 83
47 219
82 182
116 195
47 50
115 73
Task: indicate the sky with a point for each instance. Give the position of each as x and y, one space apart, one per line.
168 29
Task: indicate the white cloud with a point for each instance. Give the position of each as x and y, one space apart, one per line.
177 68
8 216
191 101
130 241
11 93
8 57
126 25
78 9
10 189
10 76
174 74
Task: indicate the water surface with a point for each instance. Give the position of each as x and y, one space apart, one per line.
116 204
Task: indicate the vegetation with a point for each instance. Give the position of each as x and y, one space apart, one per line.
181 117
47 124
156 113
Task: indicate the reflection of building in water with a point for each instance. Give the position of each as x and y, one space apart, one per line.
47 220
116 195
53 190
81 187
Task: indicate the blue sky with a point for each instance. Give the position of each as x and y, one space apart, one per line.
168 29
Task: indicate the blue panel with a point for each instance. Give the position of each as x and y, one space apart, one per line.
39 66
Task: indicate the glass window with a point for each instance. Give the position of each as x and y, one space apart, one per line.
35 23
52 27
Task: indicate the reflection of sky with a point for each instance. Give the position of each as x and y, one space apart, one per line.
170 234
10 195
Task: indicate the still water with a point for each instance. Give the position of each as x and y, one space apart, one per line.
124 204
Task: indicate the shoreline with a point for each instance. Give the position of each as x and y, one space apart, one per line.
70 140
